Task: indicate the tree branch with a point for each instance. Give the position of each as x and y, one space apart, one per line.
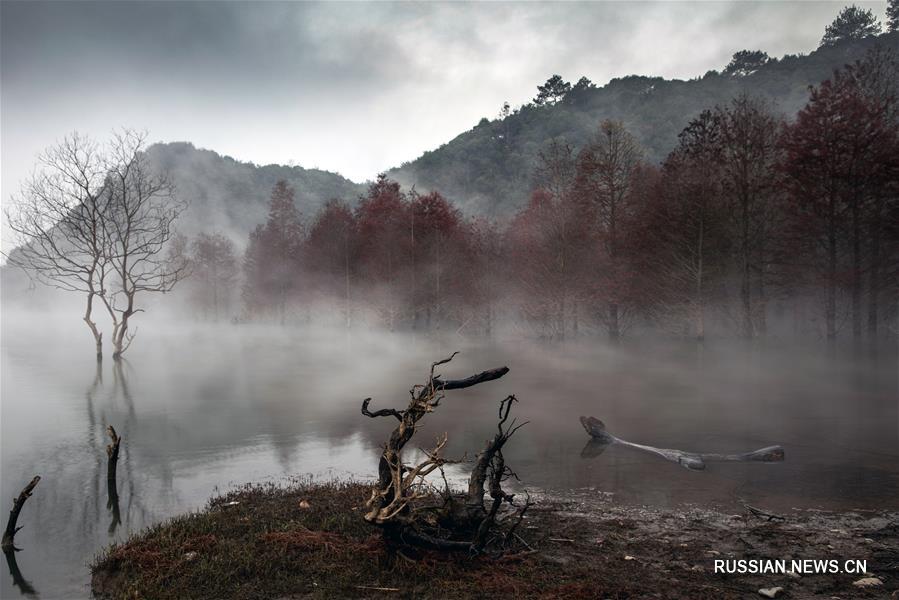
384 412
458 384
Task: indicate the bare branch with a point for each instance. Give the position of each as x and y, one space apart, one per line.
384 412
482 377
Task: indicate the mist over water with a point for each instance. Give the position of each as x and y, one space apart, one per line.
204 408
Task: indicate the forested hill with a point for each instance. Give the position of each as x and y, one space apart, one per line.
232 197
487 170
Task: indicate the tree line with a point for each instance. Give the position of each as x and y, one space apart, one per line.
750 216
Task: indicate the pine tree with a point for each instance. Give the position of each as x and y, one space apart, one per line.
552 91
746 62
853 23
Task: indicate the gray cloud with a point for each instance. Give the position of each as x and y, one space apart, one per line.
350 87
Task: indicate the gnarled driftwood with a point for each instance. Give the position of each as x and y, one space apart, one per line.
691 460
398 503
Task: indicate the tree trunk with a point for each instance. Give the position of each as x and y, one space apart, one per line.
856 272
98 335
575 325
121 339
700 302
745 282
762 317
830 306
874 284
614 330
561 319
119 345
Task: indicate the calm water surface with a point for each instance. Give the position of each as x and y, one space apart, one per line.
204 410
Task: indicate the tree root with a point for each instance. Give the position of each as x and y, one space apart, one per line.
403 501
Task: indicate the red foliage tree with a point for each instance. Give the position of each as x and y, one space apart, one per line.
683 233
272 260
329 254
840 153
747 157
606 180
438 257
384 229
550 244
487 275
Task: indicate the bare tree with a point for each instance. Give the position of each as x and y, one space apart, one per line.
142 209
59 223
555 169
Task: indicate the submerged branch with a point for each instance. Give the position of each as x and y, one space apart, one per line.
11 529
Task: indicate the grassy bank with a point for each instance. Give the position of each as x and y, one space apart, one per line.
310 541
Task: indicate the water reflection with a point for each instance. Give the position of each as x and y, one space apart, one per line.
18 580
238 406
594 448
112 504
112 492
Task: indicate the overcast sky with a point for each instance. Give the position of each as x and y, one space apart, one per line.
349 87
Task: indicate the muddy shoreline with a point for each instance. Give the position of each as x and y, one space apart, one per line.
310 541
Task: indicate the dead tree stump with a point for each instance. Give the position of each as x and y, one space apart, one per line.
11 529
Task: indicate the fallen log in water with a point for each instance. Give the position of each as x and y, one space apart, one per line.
691 460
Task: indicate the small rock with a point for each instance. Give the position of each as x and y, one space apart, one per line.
234 503
305 504
628 557
696 569
773 592
190 556
867 582
712 552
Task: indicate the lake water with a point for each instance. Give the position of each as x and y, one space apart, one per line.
205 409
